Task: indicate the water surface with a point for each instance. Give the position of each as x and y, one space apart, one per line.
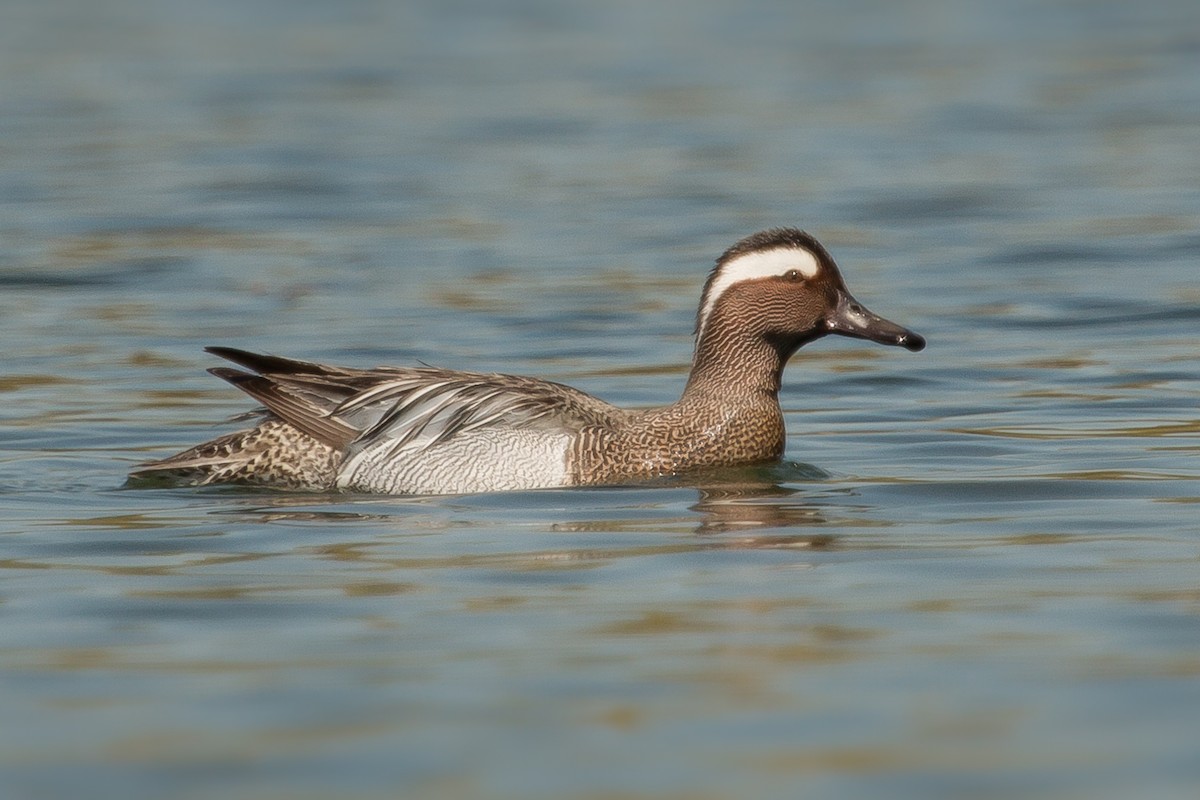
975 574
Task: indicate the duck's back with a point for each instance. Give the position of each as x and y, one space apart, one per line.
391 430
438 432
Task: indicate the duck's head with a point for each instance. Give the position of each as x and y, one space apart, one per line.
782 285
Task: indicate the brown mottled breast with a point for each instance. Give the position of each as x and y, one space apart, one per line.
676 439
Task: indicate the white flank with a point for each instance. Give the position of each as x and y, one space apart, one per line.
763 264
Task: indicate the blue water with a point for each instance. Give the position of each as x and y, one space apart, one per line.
975 575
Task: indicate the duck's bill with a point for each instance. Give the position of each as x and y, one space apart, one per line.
852 318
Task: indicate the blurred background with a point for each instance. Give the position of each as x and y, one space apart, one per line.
974 575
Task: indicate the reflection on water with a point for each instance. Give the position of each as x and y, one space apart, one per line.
974 576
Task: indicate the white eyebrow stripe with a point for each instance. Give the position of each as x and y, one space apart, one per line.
763 264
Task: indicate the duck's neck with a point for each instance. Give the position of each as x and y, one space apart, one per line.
736 369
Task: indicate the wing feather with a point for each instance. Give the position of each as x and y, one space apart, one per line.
403 409
290 407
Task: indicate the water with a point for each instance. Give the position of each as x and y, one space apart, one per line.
976 575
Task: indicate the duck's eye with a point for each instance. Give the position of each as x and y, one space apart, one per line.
793 275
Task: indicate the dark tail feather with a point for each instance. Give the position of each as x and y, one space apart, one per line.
266 364
291 406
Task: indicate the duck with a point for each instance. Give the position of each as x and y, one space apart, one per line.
428 430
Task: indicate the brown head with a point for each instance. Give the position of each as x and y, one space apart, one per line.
768 295
782 287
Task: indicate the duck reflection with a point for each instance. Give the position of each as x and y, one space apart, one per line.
753 507
748 510
733 508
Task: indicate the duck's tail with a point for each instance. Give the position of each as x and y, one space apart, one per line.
271 454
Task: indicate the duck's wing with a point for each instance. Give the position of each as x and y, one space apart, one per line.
405 408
